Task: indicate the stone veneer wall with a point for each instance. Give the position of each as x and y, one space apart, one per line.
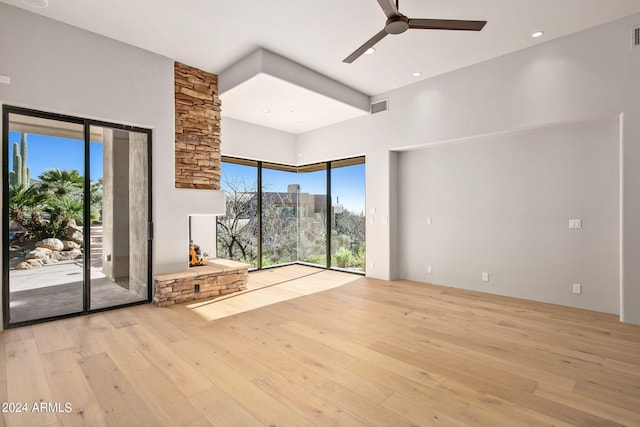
197 146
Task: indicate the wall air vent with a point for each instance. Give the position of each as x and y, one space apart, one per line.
379 106
635 34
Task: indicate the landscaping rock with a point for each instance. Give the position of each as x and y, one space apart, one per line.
24 266
69 244
50 261
35 263
67 255
39 254
74 233
75 236
51 243
74 253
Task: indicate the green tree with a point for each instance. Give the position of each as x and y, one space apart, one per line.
23 201
351 225
62 182
45 208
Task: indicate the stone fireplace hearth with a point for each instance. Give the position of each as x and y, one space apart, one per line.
218 277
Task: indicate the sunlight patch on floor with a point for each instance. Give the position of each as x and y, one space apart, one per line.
290 286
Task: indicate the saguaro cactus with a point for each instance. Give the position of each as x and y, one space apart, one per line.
25 170
20 173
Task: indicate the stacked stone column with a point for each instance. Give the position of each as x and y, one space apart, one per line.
197 145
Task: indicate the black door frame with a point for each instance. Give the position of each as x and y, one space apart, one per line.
86 123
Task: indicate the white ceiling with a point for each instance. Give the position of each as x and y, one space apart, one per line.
214 34
269 101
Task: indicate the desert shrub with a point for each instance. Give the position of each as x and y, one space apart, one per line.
343 258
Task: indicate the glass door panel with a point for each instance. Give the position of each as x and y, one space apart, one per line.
280 191
118 217
45 173
348 220
312 214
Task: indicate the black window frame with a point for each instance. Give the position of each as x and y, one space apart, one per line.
311 167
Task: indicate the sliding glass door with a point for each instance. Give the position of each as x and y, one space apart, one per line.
76 215
119 198
348 220
45 174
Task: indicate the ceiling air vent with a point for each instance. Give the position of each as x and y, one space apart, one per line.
636 36
379 106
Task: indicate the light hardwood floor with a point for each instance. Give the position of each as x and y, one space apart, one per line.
365 353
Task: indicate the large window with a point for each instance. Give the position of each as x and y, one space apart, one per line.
237 231
312 214
279 216
291 218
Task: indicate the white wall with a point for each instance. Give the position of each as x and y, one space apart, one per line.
502 205
62 69
588 75
250 141
203 234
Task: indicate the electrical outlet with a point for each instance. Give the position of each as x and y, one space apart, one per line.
575 223
429 269
577 288
485 276
5 80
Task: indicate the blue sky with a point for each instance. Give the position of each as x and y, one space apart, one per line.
348 183
50 152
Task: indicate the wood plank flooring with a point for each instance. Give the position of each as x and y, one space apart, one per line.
367 352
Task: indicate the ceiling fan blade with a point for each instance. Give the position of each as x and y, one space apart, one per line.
446 24
389 7
362 49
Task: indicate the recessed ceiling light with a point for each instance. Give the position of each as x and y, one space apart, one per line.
537 34
36 3
266 110
300 121
417 74
369 51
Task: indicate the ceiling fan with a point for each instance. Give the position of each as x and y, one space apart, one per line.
398 23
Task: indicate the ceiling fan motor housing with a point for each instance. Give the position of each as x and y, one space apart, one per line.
397 25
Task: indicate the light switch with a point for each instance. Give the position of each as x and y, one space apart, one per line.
429 270
575 223
5 79
485 276
429 221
